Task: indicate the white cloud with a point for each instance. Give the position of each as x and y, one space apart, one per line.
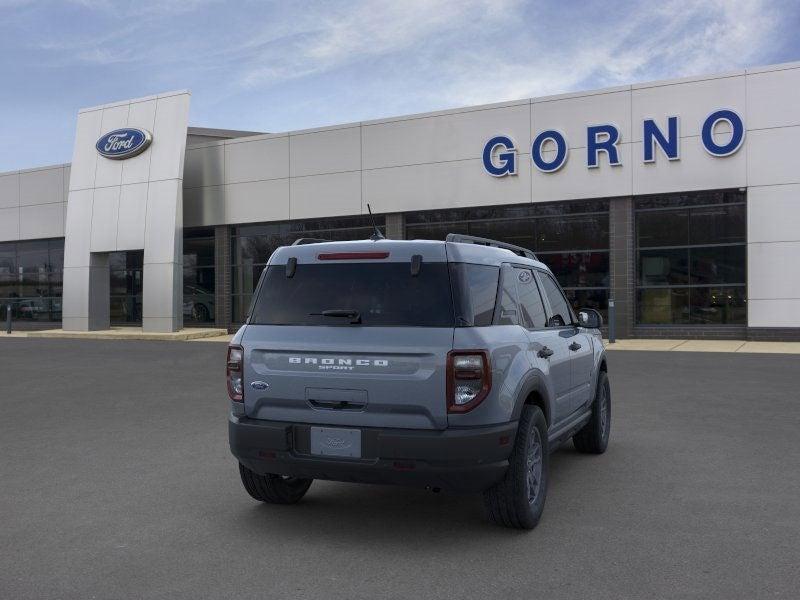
673 40
325 38
466 51
454 53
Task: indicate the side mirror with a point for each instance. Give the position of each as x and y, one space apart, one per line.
590 318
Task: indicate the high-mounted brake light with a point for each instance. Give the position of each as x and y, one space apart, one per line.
469 379
233 373
352 255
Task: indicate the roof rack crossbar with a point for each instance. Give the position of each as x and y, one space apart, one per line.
304 241
473 239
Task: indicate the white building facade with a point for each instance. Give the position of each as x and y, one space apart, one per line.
677 200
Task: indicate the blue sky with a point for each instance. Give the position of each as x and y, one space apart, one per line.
282 65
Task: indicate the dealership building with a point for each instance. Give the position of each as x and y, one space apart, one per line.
677 200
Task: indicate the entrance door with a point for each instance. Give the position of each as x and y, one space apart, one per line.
126 287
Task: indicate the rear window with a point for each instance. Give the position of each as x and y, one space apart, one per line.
384 295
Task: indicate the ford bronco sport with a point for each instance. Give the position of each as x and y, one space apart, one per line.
454 365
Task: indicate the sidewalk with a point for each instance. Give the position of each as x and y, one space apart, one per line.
706 346
122 333
220 335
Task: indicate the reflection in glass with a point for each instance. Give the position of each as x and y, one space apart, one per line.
578 269
718 264
687 246
663 305
30 279
718 306
662 228
572 238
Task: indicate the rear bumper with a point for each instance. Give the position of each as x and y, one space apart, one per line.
463 459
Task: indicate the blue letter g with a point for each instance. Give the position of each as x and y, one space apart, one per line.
507 159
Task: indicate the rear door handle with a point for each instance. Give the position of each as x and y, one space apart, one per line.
574 346
545 352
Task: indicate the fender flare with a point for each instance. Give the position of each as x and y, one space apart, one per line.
601 359
534 381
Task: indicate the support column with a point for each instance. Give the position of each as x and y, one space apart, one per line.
86 303
162 276
621 263
222 276
99 292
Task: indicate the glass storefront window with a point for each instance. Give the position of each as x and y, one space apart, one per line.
578 269
718 305
668 266
663 228
572 238
125 270
30 279
691 259
586 232
657 306
241 304
718 264
725 224
199 277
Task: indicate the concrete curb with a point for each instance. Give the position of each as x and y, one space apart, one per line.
737 346
124 333
222 336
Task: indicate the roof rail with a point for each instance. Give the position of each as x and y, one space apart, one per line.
304 241
472 239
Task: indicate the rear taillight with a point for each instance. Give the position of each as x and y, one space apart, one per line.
469 379
234 372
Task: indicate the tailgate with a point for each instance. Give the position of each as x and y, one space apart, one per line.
352 376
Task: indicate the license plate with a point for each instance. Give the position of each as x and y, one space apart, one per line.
330 441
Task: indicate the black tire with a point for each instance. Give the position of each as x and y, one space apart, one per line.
200 313
273 489
593 437
511 503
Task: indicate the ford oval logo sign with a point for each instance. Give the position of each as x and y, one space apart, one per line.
123 143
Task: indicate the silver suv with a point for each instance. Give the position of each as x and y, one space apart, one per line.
454 365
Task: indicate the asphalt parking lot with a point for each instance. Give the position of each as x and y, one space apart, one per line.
116 482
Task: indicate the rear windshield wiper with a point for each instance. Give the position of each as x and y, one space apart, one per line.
346 313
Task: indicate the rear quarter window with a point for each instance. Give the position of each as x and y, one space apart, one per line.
474 293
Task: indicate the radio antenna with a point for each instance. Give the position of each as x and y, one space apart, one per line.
377 235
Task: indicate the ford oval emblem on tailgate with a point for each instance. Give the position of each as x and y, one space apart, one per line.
259 385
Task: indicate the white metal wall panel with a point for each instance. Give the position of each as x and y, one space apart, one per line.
9 191
571 114
692 100
443 138
259 160
45 186
325 151
773 98
327 195
9 223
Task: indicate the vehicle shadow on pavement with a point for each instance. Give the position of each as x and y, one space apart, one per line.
344 512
